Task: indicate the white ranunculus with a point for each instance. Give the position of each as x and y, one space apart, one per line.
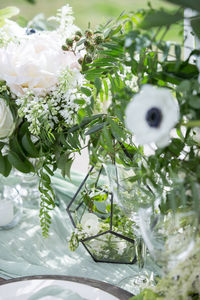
90 224
151 115
6 120
35 64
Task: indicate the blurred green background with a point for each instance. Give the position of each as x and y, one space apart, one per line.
93 11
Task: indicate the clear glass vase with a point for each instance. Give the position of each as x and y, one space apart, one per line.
130 195
11 207
169 238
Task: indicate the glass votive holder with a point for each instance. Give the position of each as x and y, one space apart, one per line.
11 207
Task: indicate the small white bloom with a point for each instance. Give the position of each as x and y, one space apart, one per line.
65 20
151 115
6 120
196 134
11 31
36 63
90 224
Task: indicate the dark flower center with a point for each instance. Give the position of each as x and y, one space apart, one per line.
154 117
30 31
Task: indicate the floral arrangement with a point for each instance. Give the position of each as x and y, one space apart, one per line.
133 99
40 99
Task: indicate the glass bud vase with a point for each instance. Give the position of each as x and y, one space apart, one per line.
11 207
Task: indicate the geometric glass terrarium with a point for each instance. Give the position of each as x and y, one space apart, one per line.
100 224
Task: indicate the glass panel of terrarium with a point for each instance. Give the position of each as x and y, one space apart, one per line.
110 248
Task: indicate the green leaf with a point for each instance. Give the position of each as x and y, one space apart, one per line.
128 26
15 146
64 163
177 52
85 122
176 146
160 18
194 101
1 145
107 138
48 170
5 166
79 101
116 130
73 140
28 146
66 170
45 177
95 128
195 23
97 83
185 70
115 31
9 12
86 91
193 4
21 164
106 90
31 1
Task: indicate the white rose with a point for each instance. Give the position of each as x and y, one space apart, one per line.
36 63
151 115
90 224
6 120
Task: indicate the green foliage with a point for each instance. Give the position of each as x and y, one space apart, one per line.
47 202
160 18
147 294
193 4
31 1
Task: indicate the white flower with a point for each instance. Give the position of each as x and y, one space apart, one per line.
11 31
35 64
90 224
6 120
151 115
65 20
195 133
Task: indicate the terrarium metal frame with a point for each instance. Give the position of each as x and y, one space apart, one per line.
110 231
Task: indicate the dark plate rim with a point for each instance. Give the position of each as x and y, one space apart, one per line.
104 286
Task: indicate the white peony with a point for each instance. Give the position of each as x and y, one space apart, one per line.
90 224
6 120
35 64
151 115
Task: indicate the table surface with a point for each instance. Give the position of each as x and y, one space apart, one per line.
24 252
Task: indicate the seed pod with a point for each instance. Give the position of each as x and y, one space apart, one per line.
79 33
88 33
87 44
69 42
77 38
88 59
80 61
65 48
98 39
